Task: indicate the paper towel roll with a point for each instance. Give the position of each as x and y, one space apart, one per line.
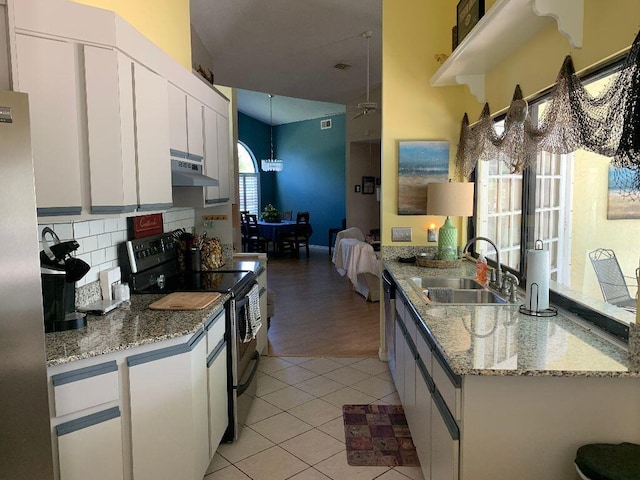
537 293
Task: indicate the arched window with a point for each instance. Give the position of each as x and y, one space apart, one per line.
249 180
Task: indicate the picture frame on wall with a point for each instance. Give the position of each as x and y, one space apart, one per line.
368 185
468 13
619 205
420 162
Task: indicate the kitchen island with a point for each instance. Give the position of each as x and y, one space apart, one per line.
491 393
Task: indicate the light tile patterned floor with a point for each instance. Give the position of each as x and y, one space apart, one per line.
295 430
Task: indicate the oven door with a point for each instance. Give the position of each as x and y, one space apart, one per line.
243 365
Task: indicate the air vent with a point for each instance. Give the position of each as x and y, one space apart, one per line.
324 124
342 66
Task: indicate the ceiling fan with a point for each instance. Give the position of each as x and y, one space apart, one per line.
368 107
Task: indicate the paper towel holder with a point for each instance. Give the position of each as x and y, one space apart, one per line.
527 310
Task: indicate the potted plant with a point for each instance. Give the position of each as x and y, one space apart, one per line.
270 214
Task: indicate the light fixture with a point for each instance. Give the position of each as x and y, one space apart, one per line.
450 199
272 164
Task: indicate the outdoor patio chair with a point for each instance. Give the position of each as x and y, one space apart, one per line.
611 279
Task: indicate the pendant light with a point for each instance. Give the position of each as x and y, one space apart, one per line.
272 164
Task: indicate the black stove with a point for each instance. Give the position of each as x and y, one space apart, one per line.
150 265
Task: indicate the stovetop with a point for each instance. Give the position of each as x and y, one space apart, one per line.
202 281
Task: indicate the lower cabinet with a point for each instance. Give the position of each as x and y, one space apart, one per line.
218 402
91 447
165 431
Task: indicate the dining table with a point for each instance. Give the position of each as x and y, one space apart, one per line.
272 231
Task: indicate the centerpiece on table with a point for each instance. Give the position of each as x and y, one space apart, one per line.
270 214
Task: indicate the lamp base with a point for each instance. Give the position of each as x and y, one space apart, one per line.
448 241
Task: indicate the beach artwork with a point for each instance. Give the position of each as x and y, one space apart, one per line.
420 163
621 206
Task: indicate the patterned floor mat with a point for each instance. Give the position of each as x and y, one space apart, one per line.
378 435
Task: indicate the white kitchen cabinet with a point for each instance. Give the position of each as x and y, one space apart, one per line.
224 158
217 377
195 142
421 430
48 71
185 123
110 129
445 441
153 167
177 120
166 394
91 447
401 346
87 426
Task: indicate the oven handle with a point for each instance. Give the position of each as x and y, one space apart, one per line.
242 388
242 302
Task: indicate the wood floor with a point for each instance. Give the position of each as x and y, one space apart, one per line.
317 312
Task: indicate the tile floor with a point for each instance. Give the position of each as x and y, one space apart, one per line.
295 430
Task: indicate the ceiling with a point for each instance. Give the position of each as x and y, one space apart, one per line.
289 49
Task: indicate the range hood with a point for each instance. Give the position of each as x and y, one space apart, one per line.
186 174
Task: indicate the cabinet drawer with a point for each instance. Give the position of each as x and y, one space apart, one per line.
91 447
449 388
424 352
85 387
215 331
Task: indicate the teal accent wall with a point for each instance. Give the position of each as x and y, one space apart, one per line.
313 178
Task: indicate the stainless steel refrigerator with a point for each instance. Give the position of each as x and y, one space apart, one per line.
25 438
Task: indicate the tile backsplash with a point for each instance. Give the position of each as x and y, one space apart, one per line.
99 239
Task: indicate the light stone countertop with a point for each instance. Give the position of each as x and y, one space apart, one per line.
499 340
124 328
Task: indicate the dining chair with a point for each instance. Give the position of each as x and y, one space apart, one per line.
300 237
254 241
611 279
244 229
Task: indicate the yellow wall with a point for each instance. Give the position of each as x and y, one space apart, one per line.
165 22
414 31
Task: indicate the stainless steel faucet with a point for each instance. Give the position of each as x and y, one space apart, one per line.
498 282
510 283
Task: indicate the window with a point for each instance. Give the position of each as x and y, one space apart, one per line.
249 180
569 203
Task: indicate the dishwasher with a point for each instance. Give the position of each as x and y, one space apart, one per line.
389 287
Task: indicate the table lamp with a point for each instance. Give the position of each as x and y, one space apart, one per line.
449 199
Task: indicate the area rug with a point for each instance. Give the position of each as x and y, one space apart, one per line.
378 435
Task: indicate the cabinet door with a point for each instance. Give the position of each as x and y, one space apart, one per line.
218 396
177 120
91 447
195 140
421 426
401 346
152 139
224 158
210 118
200 412
161 415
445 441
47 70
110 128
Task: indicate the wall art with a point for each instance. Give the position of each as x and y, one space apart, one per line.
420 162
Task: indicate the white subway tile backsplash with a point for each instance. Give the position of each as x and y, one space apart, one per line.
111 225
111 255
64 231
88 244
96 227
104 240
118 237
98 257
80 230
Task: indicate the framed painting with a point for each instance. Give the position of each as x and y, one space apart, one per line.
619 205
420 162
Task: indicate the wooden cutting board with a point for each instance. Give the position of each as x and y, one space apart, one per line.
185 301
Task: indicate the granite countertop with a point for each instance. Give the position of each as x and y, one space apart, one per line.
124 328
499 340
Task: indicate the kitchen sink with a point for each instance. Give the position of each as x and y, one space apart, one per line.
455 283
458 291
453 296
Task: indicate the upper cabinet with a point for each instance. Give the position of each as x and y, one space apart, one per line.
111 131
506 27
151 116
108 110
48 71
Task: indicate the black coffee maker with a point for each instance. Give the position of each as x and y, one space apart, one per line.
59 272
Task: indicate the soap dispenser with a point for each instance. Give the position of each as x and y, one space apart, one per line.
481 270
